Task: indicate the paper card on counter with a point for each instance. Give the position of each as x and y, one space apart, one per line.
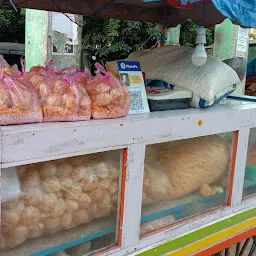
10 187
131 75
242 41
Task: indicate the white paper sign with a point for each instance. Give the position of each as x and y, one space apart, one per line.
242 41
131 75
10 187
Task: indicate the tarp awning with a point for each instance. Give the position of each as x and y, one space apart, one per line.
241 12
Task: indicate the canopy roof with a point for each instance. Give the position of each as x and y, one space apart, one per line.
242 12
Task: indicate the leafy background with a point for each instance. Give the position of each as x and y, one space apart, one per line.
107 39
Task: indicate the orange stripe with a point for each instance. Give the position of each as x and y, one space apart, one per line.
121 218
227 243
232 174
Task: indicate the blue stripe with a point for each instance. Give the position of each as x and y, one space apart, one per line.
74 243
245 98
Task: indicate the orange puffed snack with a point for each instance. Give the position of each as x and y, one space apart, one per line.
19 103
63 100
110 97
58 196
63 97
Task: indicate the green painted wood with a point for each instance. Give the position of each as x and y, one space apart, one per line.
200 234
173 36
225 40
38 46
36 34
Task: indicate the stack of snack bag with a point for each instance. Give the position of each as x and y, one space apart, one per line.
60 195
61 97
19 103
63 94
110 97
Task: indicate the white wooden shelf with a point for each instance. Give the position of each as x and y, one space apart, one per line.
24 144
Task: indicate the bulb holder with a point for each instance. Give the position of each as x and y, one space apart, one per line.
201 36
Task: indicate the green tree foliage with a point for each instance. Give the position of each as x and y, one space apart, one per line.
107 39
110 39
188 34
12 25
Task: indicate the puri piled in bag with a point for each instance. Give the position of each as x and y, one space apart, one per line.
60 195
110 97
178 168
19 103
63 99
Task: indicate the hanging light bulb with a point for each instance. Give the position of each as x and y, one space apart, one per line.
199 56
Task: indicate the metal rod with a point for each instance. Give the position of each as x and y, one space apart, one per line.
238 247
244 246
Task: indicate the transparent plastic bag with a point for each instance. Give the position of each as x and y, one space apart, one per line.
41 69
110 97
251 152
60 195
19 103
62 99
156 185
179 168
39 74
10 188
6 69
62 93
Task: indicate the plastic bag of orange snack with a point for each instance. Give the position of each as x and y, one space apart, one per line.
19 103
60 195
36 74
110 97
39 74
62 99
6 69
40 69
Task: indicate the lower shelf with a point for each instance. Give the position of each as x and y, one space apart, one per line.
103 227
62 240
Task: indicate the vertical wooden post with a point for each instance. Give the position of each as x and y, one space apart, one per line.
226 46
173 36
38 46
36 33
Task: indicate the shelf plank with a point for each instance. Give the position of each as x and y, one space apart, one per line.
23 144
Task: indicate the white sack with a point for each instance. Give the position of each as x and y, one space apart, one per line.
173 64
